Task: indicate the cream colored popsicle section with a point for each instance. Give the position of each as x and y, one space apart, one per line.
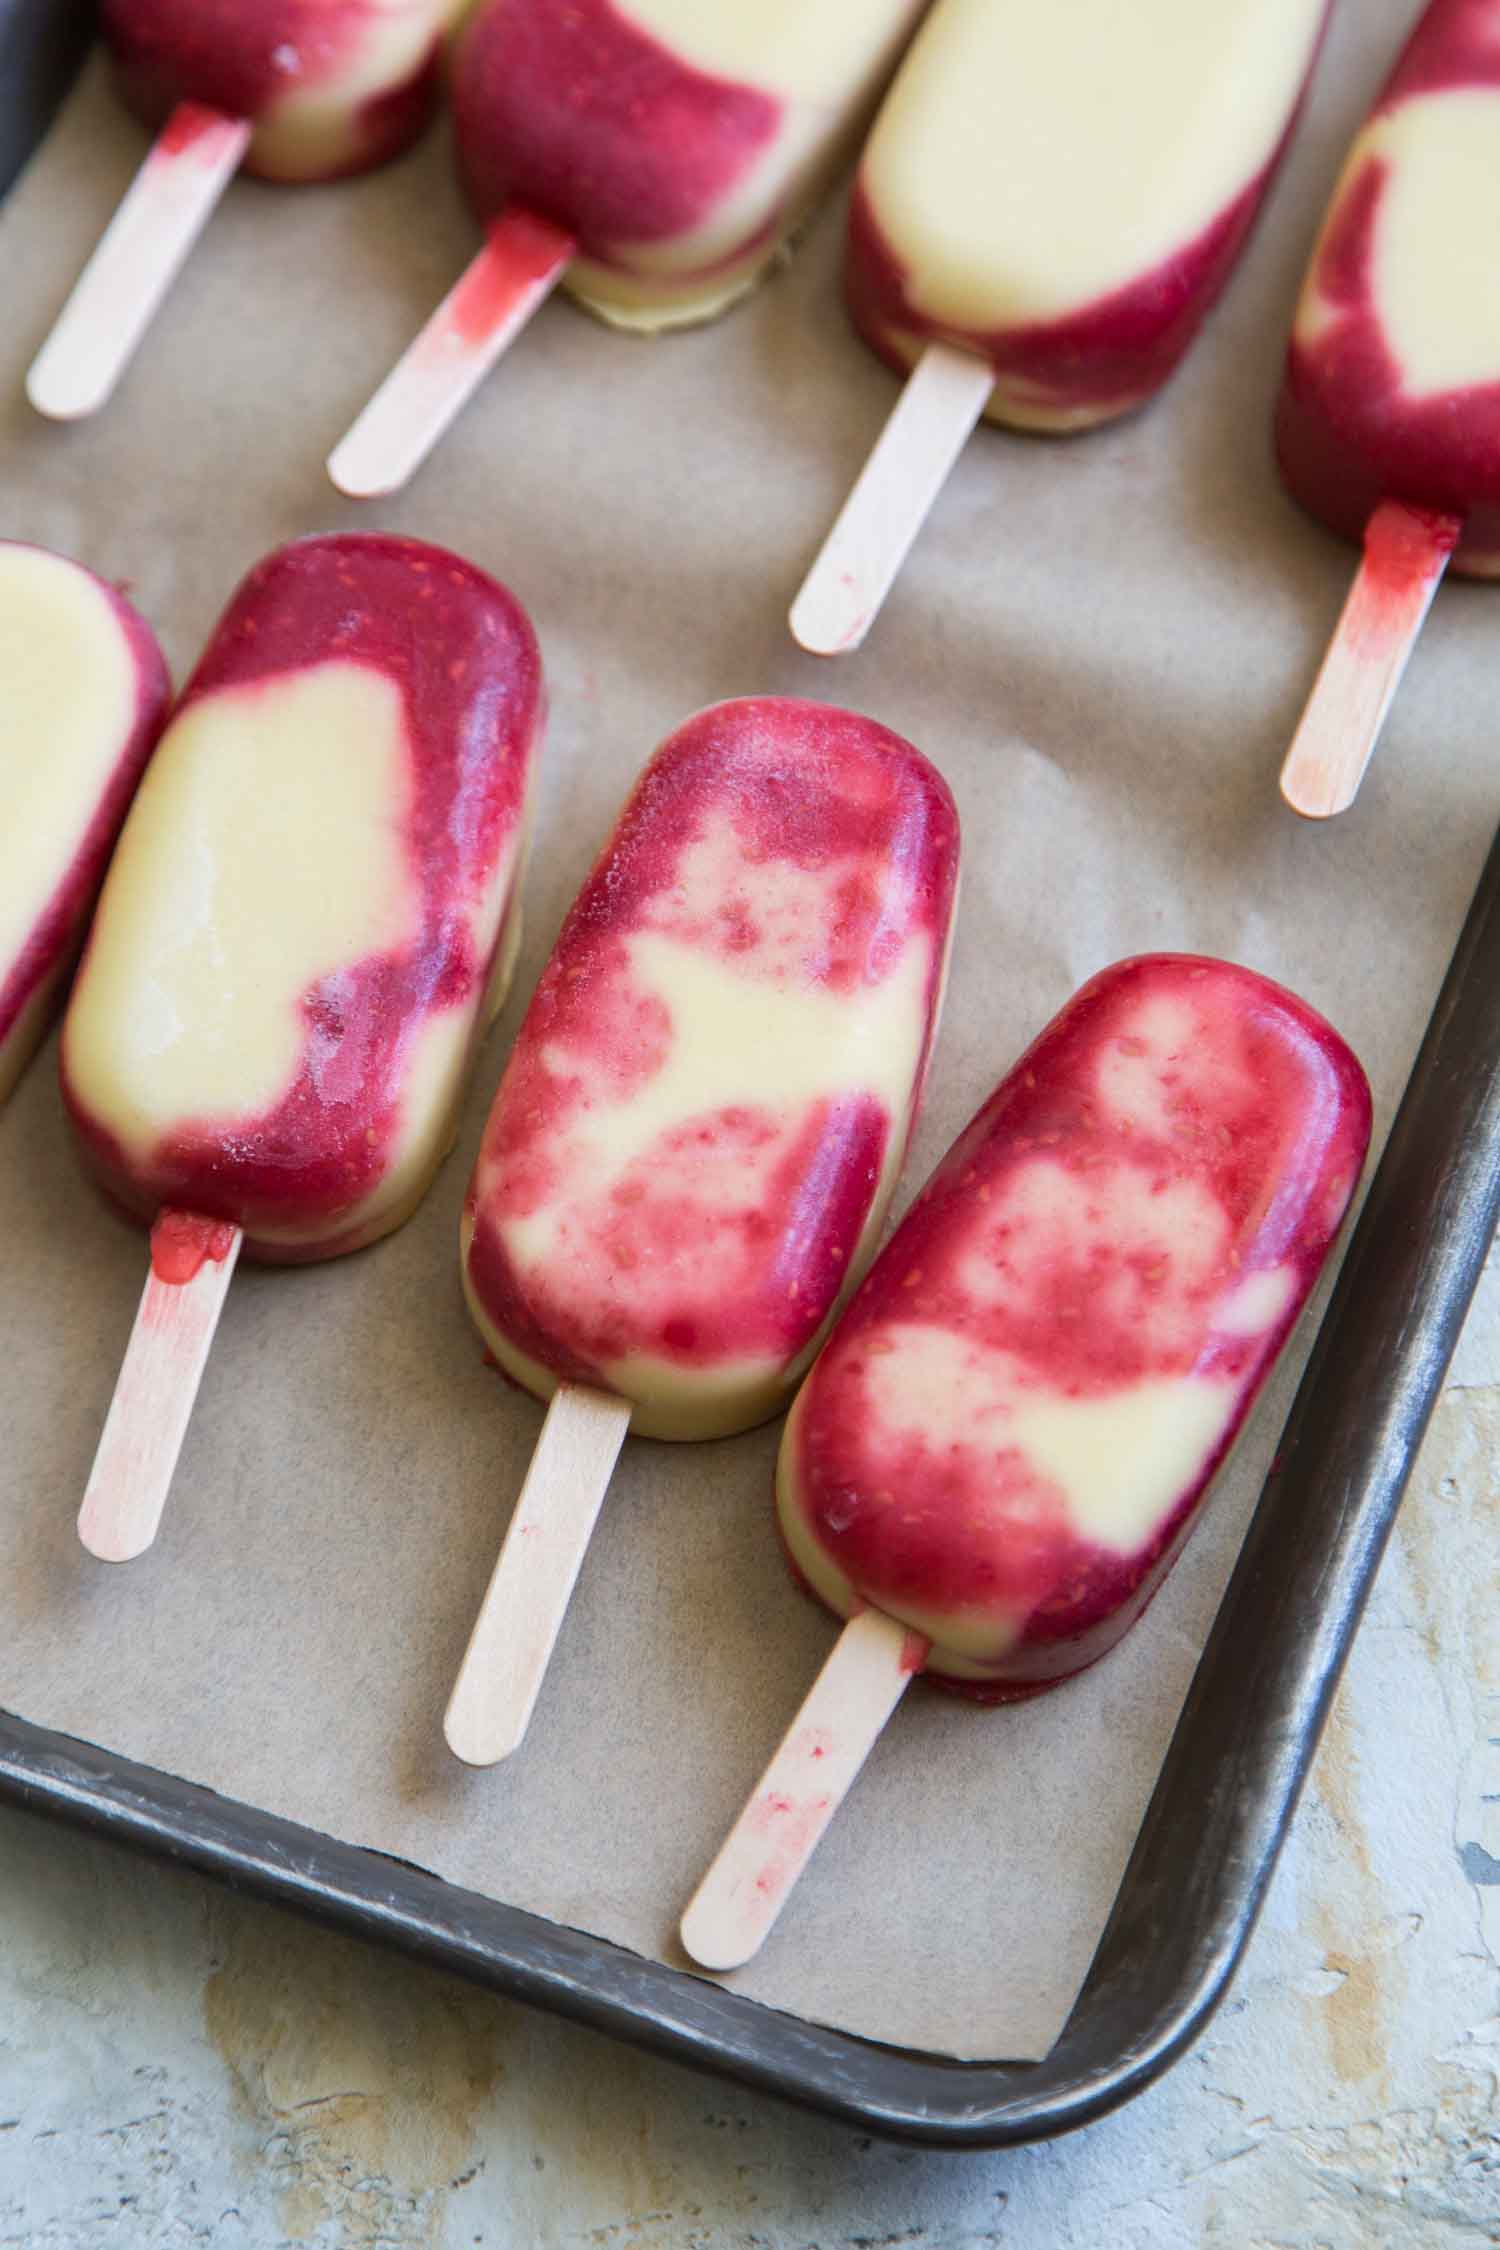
1437 236
1031 160
1117 1461
1120 1461
825 1046
781 47
315 127
67 705
190 1002
825 65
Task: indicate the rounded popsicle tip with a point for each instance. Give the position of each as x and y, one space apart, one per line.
361 472
1313 796
476 1743
829 620
111 1542
711 1941
63 389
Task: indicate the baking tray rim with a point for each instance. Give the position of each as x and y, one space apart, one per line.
896 2093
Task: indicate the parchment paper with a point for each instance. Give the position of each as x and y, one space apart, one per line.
1104 642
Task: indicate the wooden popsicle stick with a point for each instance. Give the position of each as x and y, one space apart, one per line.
929 426
523 260
115 298
1406 553
192 1264
522 1612
738 1900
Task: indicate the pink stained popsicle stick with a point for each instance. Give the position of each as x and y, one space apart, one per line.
1406 553
819 1758
928 428
115 298
192 1265
523 1609
523 259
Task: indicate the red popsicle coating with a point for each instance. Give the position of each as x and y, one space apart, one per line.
569 108
182 1244
1349 431
461 652
795 864
243 57
1007 1439
1094 364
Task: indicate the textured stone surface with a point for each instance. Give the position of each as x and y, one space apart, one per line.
178 2067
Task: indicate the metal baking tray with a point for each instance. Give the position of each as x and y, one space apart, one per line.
42 43
1248 1730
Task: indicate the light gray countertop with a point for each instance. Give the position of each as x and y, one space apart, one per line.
178 2067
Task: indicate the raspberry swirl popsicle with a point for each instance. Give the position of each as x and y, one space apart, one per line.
652 154
309 922
1006 1442
83 692
1388 425
1040 226
292 90
702 1122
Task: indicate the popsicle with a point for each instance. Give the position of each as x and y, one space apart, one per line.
310 919
292 90
1048 206
1388 424
1006 1442
83 692
698 1132
653 155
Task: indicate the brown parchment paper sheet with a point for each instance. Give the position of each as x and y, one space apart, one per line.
1103 642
